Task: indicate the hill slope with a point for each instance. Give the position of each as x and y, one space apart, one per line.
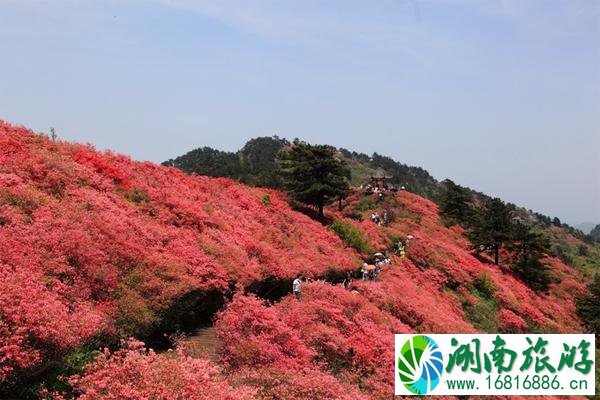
99 247
571 245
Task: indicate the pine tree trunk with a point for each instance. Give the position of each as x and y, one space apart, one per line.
321 214
496 254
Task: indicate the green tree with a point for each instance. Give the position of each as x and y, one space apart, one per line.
491 228
210 162
527 248
312 174
588 306
258 159
455 202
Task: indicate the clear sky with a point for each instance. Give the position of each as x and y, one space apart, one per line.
501 96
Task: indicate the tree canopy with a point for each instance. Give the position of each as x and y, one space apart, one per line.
588 306
456 202
313 174
491 227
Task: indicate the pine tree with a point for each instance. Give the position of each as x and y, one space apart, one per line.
312 174
588 306
491 228
527 248
456 202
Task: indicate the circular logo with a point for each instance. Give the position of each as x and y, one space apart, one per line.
420 364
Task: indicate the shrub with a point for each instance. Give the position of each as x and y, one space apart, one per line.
365 204
266 199
137 195
138 373
509 322
484 285
351 236
483 312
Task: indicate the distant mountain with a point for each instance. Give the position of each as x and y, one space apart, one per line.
254 164
586 227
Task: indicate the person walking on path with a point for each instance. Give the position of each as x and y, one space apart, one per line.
297 287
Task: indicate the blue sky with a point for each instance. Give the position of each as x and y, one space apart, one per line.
502 96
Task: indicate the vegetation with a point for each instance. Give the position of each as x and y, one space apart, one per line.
312 174
456 202
352 236
254 164
491 228
97 246
595 233
528 248
588 306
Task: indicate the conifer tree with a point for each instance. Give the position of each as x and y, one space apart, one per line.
588 306
312 174
491 228
456 202
528 247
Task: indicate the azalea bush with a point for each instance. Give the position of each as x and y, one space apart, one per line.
138 373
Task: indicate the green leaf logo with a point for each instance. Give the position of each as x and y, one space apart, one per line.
420 364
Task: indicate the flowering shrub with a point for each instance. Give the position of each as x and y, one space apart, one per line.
283 384
137 373
253 335
510 322
446 251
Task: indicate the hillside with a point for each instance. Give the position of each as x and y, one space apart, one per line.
244 166
99 248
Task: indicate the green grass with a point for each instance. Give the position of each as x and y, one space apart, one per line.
352 236
365 204
585 258
484 314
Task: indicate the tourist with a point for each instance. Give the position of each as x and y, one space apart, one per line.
297 287
347 281
365 272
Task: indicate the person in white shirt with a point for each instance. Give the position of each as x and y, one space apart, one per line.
297 287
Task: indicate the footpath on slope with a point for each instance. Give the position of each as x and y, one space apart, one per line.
202 343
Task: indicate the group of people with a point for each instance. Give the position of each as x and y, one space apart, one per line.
367 271
401 245
371 271
379 191
380 219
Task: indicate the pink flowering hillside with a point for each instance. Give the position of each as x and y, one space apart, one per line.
347 336
440 286
100 252
95 245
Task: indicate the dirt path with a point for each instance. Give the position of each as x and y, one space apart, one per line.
204 343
